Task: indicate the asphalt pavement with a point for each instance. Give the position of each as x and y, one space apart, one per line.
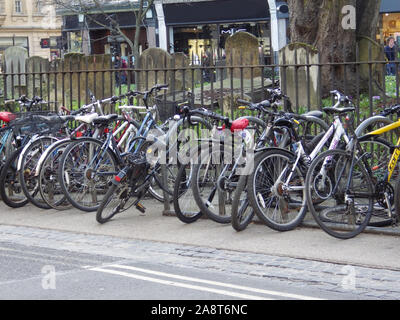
375 248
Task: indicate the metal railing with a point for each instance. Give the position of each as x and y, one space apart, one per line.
215 86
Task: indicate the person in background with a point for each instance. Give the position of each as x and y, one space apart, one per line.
124 75
390 53
117 66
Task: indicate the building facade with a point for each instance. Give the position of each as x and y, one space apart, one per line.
198 26
389 24
89 32
189 26
30 24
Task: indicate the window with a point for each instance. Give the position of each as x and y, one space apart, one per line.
38 6
18 6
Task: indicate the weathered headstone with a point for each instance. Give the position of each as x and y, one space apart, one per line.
78 74
37 68
181 79
14 62
153 59
300 84
242 49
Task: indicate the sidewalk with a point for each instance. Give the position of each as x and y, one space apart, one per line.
368 249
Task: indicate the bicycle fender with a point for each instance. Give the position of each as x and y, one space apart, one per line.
46 153
32 140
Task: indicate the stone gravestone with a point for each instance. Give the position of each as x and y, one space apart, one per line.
76 74
14 62
242 49
182 78
152 59
296 53
37 79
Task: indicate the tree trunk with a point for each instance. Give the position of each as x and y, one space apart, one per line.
319 23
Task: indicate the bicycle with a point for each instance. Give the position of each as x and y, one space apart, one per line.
352 186
275 188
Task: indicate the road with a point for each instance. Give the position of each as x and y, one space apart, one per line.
67 255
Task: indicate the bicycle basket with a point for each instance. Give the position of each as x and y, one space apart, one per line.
169 103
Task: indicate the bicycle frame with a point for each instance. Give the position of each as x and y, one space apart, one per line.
396 152
337 130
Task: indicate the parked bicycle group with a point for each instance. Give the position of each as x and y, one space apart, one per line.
271 162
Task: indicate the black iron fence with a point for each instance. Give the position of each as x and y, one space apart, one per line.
215 86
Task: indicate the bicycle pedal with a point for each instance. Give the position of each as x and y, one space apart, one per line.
140 207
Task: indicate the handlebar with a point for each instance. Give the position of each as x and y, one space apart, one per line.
341 98
390 110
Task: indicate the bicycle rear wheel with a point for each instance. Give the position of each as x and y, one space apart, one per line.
380 153
341 213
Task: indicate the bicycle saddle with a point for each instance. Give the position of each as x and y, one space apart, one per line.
105 119
314 113
87 118
239 124
7 116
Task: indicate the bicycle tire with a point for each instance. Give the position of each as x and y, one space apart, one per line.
205 198
379 217
49 186
27 172
119 193
242 213
264 189
9 182
85 175
346 225
185 208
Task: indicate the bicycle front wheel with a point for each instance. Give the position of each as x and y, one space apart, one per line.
276 190
185 207
345 192
242 213
85 173
27 174
116 200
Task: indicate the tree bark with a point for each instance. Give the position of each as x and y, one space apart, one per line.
319 23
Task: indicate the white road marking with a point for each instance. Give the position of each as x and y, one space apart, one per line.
214 283
180 284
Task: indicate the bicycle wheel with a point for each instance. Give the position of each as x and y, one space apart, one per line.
85 172
10 186
214 182
183 138
185 207
379 155
242 213
27 174
276 190
341 214
117 199
49 186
